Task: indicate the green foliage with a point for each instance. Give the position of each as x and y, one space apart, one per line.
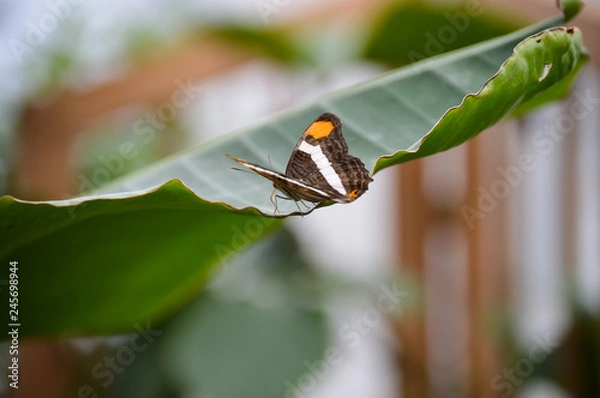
270 42
412 31
558 55
101 263
226 343
93 267
570 8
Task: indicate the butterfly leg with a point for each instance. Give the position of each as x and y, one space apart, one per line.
273 199
295 202
304 203
298 207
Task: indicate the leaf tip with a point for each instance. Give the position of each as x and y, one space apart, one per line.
570 8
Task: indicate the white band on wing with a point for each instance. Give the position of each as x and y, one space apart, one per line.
324 166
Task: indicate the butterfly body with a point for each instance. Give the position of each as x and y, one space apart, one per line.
320 168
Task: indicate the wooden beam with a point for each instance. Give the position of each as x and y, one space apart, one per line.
48 131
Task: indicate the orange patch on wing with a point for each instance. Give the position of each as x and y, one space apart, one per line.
353 194
320 129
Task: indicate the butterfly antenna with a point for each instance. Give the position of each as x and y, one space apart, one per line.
243 170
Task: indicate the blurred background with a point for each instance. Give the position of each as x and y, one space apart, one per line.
467 274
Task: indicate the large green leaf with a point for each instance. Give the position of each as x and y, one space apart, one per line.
109 263
517 82
228 333
104 262
402 113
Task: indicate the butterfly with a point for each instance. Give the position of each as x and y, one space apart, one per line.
319 169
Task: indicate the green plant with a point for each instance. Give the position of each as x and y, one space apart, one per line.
143 247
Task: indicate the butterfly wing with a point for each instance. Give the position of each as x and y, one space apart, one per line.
325 126
296 190
320 168
354 176
320 159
